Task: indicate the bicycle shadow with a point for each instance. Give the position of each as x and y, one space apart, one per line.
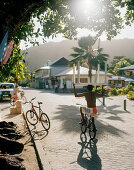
41 135
88 157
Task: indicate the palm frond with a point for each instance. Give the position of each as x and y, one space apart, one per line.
78 50
85 42
74 55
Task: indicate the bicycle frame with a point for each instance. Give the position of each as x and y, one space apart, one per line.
33 116
33 109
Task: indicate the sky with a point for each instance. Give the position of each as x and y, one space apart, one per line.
127 32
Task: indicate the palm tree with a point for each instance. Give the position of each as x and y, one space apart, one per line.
84 53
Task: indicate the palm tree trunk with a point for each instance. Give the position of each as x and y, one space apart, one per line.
90 70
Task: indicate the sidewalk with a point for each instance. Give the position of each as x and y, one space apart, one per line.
28 153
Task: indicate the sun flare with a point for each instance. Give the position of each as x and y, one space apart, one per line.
86 6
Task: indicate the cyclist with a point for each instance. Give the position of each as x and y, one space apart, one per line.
90 97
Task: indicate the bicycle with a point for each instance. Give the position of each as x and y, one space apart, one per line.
88 124
33 118
22 98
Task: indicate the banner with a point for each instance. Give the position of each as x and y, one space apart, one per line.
8 52
3 46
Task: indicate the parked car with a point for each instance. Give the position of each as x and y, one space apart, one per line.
6 90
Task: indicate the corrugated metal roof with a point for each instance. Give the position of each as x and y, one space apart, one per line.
43 68
117 78
57 70
127 68
83 71
129 79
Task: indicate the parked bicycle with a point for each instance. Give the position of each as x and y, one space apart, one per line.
33 118
88 124
22 98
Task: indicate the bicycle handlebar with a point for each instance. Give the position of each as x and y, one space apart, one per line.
33 98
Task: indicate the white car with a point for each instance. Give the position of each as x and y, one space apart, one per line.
6 90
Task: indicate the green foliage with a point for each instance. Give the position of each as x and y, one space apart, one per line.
85 42
130 95
62 16
121 91
114 92
119 62
85 54
131 83
14 69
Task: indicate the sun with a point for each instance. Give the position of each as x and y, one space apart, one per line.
86 6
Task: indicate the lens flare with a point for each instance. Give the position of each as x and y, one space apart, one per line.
86 6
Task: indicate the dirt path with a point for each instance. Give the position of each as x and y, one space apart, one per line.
28 153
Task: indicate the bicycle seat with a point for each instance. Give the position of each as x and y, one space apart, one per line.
40 103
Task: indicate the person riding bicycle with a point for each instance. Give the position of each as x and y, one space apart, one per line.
90 97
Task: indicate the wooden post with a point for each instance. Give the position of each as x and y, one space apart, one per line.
106 72
74 73
78 72
125 103
103 95
98 74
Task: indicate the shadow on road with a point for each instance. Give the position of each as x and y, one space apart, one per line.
88 157
70 116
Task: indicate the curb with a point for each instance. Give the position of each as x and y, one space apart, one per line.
43 163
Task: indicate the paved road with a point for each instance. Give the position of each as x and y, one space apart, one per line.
67 149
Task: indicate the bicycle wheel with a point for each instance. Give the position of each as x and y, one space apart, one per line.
92 129
24 100
84 125
31 117
45 121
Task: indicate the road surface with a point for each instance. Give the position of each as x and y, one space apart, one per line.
67 149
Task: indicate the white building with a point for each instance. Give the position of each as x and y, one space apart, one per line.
58 73
67 77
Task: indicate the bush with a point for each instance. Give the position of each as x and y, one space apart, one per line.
130 95
125 90
114 92
120 91
131 83
130 88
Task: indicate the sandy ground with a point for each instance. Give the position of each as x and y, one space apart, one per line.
28 153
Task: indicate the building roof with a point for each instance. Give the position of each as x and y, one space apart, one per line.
43 68
127 68
121 78
129 79
61 62
83 71
58 70
117 78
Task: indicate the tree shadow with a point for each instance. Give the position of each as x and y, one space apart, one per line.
88 157
110 109
4 108
50 91
11 115
70 116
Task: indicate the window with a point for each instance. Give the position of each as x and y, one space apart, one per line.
82 80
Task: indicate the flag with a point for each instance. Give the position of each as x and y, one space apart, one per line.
3 46
8 52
